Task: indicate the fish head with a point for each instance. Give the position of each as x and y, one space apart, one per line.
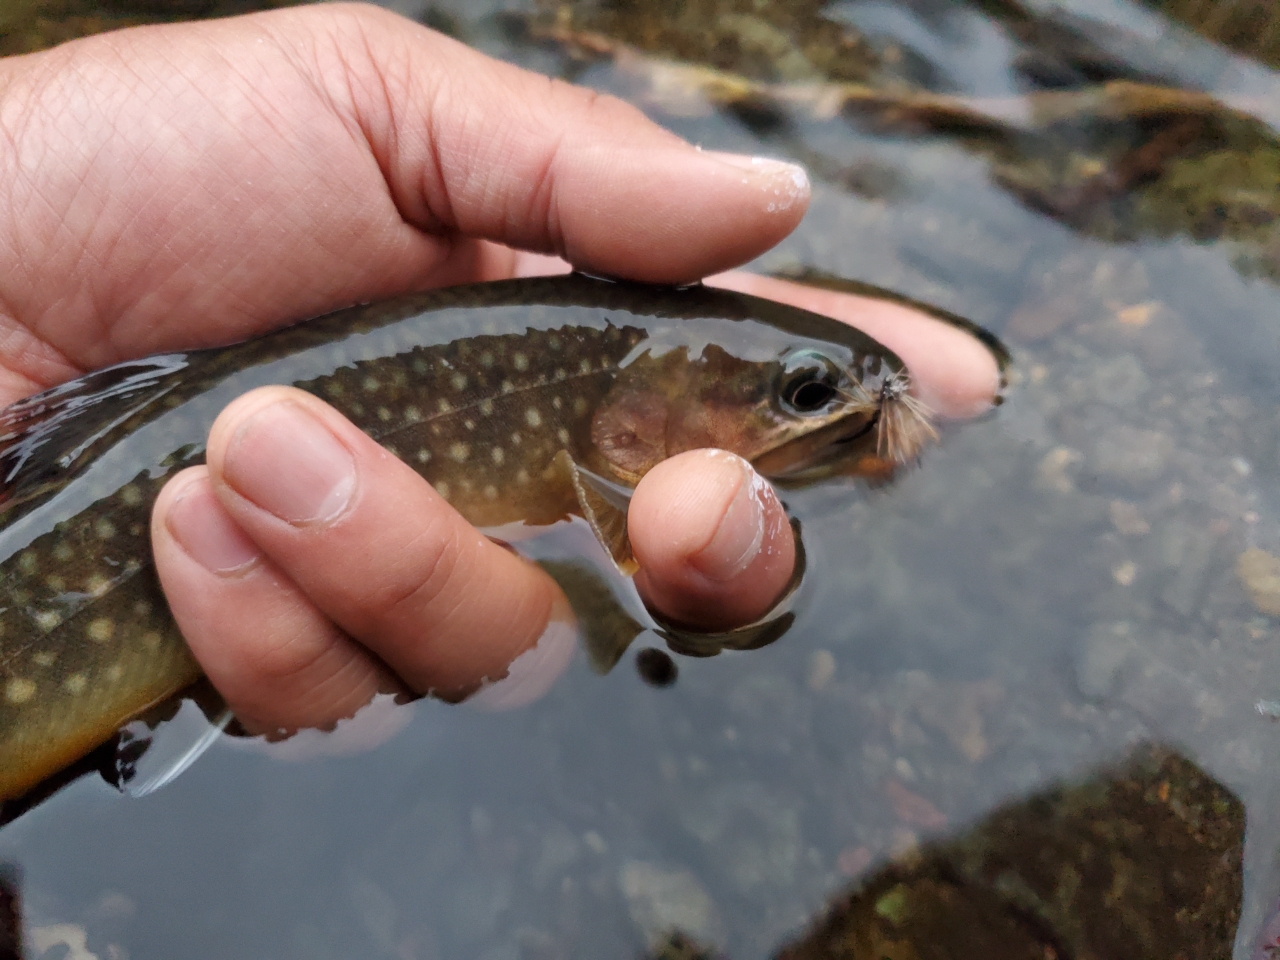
803 412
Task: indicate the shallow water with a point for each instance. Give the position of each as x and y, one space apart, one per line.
1052 585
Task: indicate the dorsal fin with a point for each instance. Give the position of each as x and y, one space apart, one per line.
45 438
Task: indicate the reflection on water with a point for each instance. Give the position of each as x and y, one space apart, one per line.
1091 568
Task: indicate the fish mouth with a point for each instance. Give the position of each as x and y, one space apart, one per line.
823 453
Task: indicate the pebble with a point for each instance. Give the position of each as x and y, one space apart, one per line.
662 900
1138 457
1259 571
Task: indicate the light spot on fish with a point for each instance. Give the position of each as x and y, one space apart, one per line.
579 406
384 414
412 415
486 407
520 361
460 452
458 381
56 584
486 359
522 476
19 690
115 672
497 454
28 562
131 567
444 406
97 585
333 388
491 492
556 403
507 386
100 630
151 640
45 658
130 495
584 365
561 373
75 684
47 620
533 418
562 435
469 424
370 385
142 608
63 552
104 528
553 342
423 455
436 429
442 488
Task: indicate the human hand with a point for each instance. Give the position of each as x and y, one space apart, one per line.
183 186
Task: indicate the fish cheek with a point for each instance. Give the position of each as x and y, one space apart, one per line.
630 431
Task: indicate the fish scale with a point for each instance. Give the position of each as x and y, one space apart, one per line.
511 398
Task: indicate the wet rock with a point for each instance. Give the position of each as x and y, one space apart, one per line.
1102 657
664 901
1138 457
1259 571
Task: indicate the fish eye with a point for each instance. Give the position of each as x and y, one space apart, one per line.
809 382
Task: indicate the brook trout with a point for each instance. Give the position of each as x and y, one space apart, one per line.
520 401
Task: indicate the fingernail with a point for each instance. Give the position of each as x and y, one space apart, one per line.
288 463
205 533
738 537
786 178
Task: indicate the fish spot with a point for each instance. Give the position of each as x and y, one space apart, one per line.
45 658
554 343
486 407
497 455
131 567
357 409
135 529
556 403
419 366
469 424
584 365
412 415
560 373
28 562
486 359
562 435
47 620
370 385
442 488
100 630
19 690
142 608
423 455
532 417
522 476
333 388
444 406
458 381
151 640
460 452
507 386
516 439
436 429
579 406
104 528
466 485
115 672
384 414
520 361
63 552
75 684
130 495
491 492
56 584
96 585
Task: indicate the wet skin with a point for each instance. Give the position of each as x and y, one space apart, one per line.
366 174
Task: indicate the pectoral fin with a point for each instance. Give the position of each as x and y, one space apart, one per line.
604 506
607 629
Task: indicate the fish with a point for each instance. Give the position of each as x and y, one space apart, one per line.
525 401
